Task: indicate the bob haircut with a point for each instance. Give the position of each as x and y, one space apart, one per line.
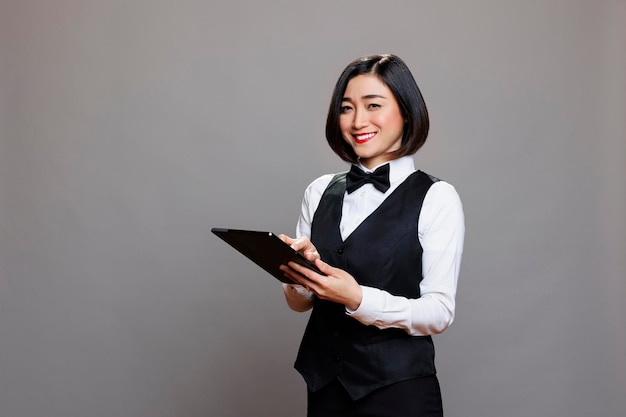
394 73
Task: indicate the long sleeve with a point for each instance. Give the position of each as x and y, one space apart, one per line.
441 232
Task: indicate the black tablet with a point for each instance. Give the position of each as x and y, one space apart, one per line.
264 249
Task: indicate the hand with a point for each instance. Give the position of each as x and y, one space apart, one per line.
337 285
302 245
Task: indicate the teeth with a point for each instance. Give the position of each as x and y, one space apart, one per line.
366 136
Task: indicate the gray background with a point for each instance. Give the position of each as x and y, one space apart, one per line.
130 128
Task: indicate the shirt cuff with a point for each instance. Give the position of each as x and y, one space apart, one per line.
298 298
371 303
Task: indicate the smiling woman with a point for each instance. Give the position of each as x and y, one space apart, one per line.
388 240
390 79
371 121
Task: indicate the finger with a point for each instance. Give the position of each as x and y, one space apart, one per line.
285 239
294 276
302 245
311 255
324 267
306 276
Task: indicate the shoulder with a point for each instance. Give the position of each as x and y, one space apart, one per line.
310 202
442 204
442 191
315 190
439 191
318 185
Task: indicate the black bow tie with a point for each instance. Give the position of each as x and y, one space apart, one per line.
379 178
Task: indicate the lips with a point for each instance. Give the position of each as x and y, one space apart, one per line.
364 137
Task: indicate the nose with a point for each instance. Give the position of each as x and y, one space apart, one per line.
360 119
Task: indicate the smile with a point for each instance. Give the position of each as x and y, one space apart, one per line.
364 137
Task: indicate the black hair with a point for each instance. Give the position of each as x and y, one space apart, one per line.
395 74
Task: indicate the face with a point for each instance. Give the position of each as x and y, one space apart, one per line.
370 120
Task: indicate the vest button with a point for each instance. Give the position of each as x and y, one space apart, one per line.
340 251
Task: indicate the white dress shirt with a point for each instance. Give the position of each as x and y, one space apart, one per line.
441 231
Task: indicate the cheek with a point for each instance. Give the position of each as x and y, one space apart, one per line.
344 123
392 121
388 118
345 126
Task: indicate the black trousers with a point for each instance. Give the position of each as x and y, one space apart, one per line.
419 397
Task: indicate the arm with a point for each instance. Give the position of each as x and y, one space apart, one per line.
298 297
441 233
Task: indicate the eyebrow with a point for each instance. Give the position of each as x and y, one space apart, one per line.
367 97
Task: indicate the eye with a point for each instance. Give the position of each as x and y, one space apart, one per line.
373 106
345 109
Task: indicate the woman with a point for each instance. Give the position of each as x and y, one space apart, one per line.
389 240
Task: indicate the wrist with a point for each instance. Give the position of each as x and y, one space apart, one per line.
355 301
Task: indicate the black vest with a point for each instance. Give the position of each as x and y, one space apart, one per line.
383 252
